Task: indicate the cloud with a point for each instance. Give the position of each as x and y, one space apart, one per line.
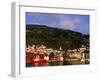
67 22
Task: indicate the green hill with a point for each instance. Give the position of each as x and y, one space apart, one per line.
52 37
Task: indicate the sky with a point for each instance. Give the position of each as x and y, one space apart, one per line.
75 22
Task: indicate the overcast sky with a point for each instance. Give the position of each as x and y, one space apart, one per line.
79 23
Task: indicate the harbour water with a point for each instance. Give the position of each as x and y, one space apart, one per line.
59 63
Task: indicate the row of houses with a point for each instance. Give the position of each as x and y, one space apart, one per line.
41 54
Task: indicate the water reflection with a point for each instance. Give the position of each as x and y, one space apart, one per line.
59 63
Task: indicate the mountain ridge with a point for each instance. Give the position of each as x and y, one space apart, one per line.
53 37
